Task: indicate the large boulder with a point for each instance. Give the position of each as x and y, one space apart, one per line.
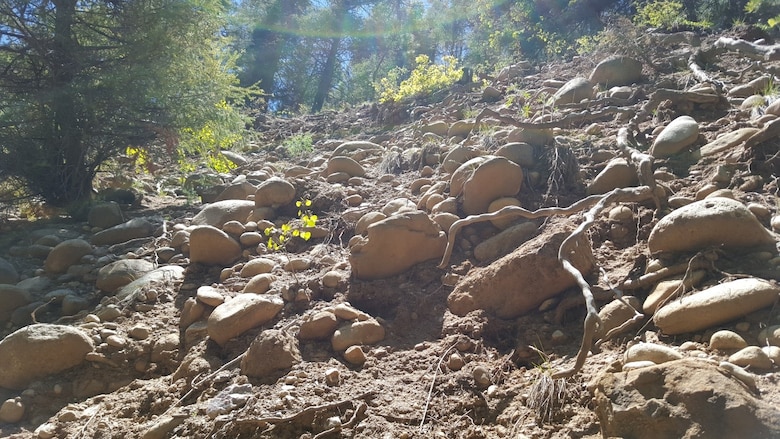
274 192
482 180
575 90
217 214
211 246
135 228
242 313
272 351
105 215
617 174
687 398
520 281
166 275
715 305
395 244
678 135
120 273
717 221
11 298
617 70
8 273
65 254
40 350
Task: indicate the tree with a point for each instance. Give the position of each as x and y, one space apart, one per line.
83 79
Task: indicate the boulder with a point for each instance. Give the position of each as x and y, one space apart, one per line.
500 203
520 281
65 254
518 152
715 305
504 242
41 350
259 284
686 398
483 180
8 273
318 326
712 222
105 215
274 192
345 165
666 289
237 191
395 244
11 298
461 128
617 174
135 228
257 266
273 350
357 333
164 275
651 352
438 127
533 136
573 91
678 135
218 213
242 313
617 70
458 156
616 313
211 246
120 273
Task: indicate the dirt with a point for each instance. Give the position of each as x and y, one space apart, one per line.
412 384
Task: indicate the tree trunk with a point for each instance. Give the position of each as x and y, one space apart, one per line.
326 78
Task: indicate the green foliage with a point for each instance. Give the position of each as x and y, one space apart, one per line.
665 14
426 78
767 11
299 144
278 238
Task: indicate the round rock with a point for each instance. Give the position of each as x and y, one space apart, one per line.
65 254
727 341
712 222
753 357
240 314
211 246
217 214
120 273
274 192
679 134
357 333
41 350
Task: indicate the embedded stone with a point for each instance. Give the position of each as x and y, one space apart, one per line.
617 70
712 222
318 326
242 313
725 340
41 350
259 284
651 352
753 357
65 254
120 273
272 351
617 174
12 297
218 213
520 281
258 266
678 135
357 333
518 152
237 191
135 228
8 273
211 246
483 180
715 305
573 91
345 165
728 141
274 192
105 215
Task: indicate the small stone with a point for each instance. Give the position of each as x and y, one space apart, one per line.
753 357
332 376
259 284
91 318
297 264
558 337
727 340
456 362
651 352
346 312
332 279
481 377
210 296
355 355
116 341
318 326
357 333
139 332
12 411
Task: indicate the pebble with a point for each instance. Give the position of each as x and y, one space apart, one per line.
139 332
346 312
332 376
481 377
331 279
456 362
558 337
116 341
210 296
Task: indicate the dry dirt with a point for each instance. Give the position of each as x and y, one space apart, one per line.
406 388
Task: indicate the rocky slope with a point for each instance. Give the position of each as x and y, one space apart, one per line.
427 269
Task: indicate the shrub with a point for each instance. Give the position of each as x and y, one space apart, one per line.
426 78
667 15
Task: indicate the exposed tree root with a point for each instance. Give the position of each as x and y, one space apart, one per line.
676 97
569 119
750 50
